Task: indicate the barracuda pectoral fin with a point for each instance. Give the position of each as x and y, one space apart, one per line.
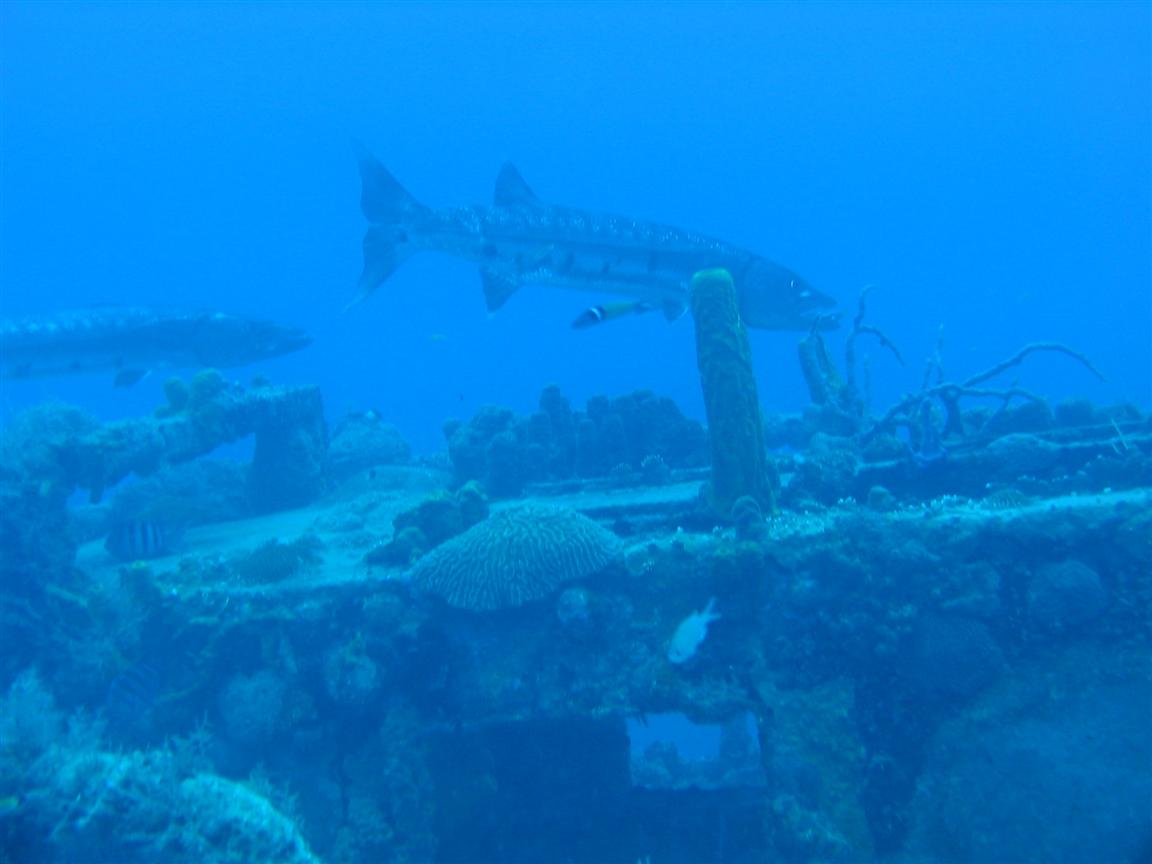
497 288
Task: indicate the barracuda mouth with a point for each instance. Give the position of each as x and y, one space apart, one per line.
291 339
823 320
807 313
272 340
225 341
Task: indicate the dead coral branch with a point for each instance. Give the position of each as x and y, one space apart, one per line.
950 393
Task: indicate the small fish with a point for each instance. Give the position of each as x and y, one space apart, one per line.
691 632
594 315
139 540
9 804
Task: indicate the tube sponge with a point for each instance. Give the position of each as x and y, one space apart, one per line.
739 465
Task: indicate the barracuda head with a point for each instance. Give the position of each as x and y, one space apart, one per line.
228 340
774 298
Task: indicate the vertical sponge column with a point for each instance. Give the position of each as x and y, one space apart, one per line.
739 464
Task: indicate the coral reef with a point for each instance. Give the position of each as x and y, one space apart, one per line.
288 465
1058 737
82 801
264 689
34 490
252 707
175 497
351 678
1065 595
291 440
515 556
505 452
731 399
275 561
361 442
437 518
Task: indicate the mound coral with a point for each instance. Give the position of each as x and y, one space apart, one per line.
514 557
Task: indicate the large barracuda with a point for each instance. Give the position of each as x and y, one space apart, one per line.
521 240
129 341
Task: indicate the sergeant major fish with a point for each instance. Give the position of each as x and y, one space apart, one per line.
521 240
691 632
141 540
129 341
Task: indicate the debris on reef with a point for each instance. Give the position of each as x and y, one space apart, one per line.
930 415
289 464
840 399
288 425
34 490
185 494
362 441
932 443
914 411
505 452
276 561
1059 735
739 463
434 520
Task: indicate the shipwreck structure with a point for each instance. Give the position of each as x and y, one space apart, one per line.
904 624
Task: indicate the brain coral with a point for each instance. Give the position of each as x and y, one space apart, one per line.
515 556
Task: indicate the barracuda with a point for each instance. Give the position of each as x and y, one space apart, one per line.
521 240
129 341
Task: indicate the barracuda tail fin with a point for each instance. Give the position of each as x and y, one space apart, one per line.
394 213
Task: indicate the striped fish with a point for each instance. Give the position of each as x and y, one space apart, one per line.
131 699
139 540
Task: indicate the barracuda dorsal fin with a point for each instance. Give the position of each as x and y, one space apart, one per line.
512 191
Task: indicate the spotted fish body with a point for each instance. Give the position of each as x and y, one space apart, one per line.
131 340
521 240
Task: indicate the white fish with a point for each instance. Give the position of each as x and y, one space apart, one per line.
691 632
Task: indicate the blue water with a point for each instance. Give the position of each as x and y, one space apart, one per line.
986 165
